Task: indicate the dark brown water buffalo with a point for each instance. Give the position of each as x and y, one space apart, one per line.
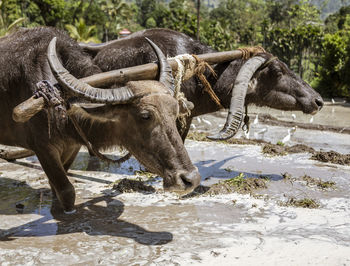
139 116
262 80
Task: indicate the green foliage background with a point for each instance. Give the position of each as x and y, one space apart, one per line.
307 35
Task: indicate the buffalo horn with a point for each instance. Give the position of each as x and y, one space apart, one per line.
165 71
78 88
239 91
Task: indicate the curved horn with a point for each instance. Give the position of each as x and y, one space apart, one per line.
95 48
239 91
79 88
165 71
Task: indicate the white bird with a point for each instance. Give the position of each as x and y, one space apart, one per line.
206 121
199 120
246 134
193 126
290 133
256 120
260 132
294 116
312 119
333 102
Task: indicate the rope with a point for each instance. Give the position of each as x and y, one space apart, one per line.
53 101
248 52
200 69
187 66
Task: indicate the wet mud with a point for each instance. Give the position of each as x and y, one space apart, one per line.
129 185
331 157
280 149
245 210
272 121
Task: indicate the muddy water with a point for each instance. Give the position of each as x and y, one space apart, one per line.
160 228
337 115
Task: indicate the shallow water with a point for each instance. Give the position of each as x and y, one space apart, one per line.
165 229
331 115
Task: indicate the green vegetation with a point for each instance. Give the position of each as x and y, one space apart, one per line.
306 35
239 184
311 181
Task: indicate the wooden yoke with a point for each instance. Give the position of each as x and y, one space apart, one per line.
24 111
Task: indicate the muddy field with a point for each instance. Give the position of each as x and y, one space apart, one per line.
265 198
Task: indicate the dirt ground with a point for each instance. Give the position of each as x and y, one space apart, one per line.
261 201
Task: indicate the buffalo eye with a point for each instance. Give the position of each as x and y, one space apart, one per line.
145 115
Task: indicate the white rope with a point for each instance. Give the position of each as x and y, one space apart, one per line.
186 65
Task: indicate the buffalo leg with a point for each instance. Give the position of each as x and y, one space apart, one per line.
52 165
68 158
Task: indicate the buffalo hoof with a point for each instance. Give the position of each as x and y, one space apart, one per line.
70 212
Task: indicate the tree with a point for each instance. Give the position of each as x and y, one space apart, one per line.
81 32
5 26
333 76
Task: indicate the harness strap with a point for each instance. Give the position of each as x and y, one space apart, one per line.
91 148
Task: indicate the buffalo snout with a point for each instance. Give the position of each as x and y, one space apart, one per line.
183 182
319 102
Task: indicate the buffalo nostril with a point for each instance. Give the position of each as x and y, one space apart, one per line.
319 103
186 181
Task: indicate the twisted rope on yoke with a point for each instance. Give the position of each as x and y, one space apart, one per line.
248 52
189 65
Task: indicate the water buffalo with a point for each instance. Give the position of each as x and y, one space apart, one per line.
262 80
139 116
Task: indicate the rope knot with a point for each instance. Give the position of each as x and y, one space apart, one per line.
248 52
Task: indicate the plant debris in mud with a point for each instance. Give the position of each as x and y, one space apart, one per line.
268 148
324 185
202 136
274 150
279 149
128 185
301 203
311 181
238 184
331 157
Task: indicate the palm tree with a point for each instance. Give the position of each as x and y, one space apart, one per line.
81 32
118 13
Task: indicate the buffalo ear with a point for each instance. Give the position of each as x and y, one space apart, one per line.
252 86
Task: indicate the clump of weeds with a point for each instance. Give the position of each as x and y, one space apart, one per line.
301 203
238 184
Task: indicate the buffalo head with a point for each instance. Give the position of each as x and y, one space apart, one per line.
264 80
279 87
139 116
